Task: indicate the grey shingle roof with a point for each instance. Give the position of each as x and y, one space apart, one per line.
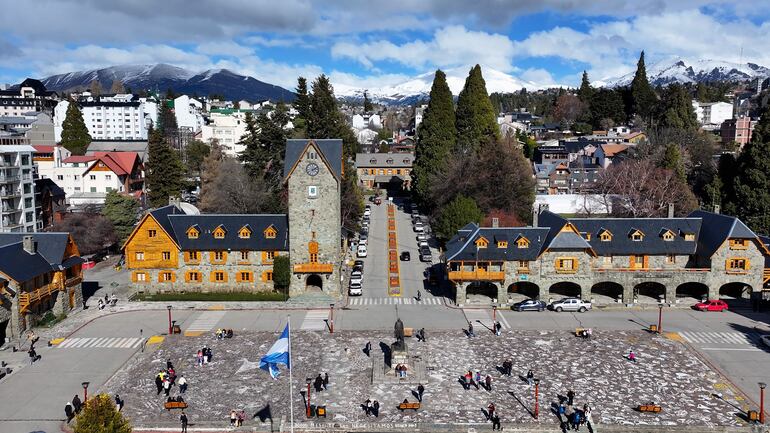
50 245
161 216
463 247
232 225
330 148
397 160
20 265
652 242
720 228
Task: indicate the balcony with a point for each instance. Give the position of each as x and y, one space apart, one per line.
478 275
314 268
9 179
73 281
31 298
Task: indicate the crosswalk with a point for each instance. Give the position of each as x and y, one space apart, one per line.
720 338
206 321
476 315
101 342
394 301
315 320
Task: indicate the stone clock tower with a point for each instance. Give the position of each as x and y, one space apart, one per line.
313 175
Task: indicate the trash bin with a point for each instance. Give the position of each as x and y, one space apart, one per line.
176 330
320 411
753 415
653 328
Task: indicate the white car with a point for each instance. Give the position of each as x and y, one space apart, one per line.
570 304
355 289
356 277
422 244
418 227
361 251
421 237
367 212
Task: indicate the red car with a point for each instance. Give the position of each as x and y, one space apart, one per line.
711 305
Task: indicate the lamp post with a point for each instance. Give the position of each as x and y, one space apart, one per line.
85 393
169 318
494 315
660 318
762 386
537 391
307 409
331 318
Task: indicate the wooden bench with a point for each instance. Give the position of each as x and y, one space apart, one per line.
175 405
405 406
649 407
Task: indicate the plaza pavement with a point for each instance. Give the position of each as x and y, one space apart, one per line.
667 373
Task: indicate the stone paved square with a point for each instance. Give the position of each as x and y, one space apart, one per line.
597 370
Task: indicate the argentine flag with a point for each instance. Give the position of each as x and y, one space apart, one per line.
278 354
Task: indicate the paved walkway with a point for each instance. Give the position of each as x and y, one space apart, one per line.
597 370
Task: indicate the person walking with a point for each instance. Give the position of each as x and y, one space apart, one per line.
69 411
182 384
158 383
420 391
631 356
318 383
183 420
368 406
376 408
478 377
419 296
233 417
496 423
76 404
498 327
488 383
570 397
530 377
166 386
470 330
490 410
368 348
326 381
589 420
576 420
118 402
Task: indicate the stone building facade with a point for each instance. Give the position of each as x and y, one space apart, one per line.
610 260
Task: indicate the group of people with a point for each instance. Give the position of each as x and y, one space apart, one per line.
469 380
372 407
33 356
111 301
224 333
401 370
237 417
203 356
493 416
167 378
321 383
585 333
73 408
571 418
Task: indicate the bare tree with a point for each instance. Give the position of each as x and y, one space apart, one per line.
227 188
92 232
568 109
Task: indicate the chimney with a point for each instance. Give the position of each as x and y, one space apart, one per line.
671 210
174 201
535 212
495 222
717 208
29 244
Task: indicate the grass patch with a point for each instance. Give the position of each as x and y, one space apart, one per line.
49 319
214 297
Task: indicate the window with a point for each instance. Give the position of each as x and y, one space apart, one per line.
77 177
523 265
219 276
737 265
194 276
270 232
219 232
668 236
107 177
166 255
637 262
244 255
689 236
739 244
268 275
219 256
522 243
59 177
244 232
140 277
152 233
167 277
192 233
566 265
482 242
637 236
245 276
93 189
92 177
607 260
139 255
502 244
312 191
313 257
670 259
605 236
191 256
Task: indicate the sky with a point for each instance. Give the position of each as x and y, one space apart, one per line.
370 44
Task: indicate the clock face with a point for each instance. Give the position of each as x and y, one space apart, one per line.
312 169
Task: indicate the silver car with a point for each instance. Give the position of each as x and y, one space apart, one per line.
570 304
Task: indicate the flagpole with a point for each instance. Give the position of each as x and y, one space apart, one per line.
291 386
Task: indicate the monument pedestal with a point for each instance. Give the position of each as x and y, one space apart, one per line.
384 373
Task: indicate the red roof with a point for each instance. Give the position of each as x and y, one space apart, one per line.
121 163
40 148
79 158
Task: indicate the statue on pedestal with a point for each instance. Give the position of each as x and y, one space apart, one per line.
398 331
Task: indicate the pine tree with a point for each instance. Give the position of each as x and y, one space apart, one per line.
196 151
101 416
606 104
272 137
436 138
368 108
325 119
752 185
302 105
679 112
74 135
281 273
251 156
164 171
586 92
122 211
455 215
672 160
642 95
475 117
167 125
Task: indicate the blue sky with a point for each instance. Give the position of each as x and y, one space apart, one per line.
375 44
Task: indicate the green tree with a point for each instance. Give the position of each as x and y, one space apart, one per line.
252 154
586 92
281 273
436 138
101 416
606 104
672 160
167 119
752 184
642 95
325 119
196 152
122 210
455 215
164 171
475 117
368 108
74 134
678 111
302 105
272 137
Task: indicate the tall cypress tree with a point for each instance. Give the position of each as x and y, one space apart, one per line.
302 105
167 125
368 108
642 95
672 160
475 117
436 138
752 185
251 156
586 92
74 134
678 112
164 171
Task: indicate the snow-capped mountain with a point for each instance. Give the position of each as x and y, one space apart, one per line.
162 77
678 70
418 87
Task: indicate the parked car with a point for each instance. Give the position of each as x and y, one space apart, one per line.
363 239
358 268
359 263
405 256
361 251
711 305
529 305
367 213
425 255
765 340
570 304
355 289
356 277
418 227
421 237
423 244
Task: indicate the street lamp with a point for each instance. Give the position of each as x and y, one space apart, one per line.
537 391
762 386
307 400
660 318
331 318
494 318
85 393
169 319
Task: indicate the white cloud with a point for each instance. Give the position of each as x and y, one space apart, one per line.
230 49
537 75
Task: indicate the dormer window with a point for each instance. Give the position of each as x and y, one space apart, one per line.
482 242
668 235
219 232
244 232
739 244
502 244
522 242
605 236
270 232
193 232
636 235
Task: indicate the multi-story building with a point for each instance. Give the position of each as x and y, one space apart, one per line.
30 95
172 251
711 114
36 127
737 131
226 126
39 273
385 170
188 113
17 189
609 260
107 117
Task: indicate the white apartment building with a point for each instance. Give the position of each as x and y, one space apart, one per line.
711 114
188 113
17 189
227 127
107 117
28 96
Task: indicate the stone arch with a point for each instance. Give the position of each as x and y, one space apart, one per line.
735 290
481 288
692 291
314 282
565 288
649 292
523 290
606 292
